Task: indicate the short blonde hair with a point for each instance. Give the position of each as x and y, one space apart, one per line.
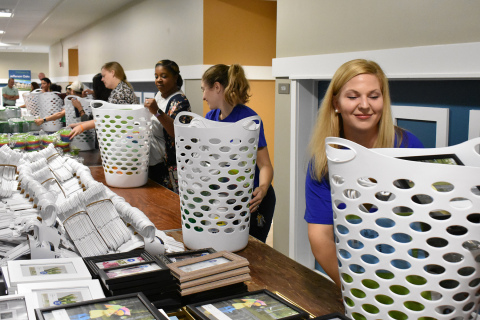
329 123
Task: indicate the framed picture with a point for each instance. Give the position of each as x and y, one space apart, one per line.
131 306
117 260
134 271
332 316
55 293
261 305
42 270
14 307
208 265
451 159
184 255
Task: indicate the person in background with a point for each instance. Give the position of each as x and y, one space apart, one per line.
45 85
10 94
68 91
168 102
34 86
41 75
225 89
113 76
98 91
356 107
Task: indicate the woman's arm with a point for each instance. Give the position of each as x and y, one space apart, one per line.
52 117
322 242
165 120
265 178
79 127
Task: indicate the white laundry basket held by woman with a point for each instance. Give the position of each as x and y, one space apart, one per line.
50 103
85 140
216 166
407 232
32 102
123 132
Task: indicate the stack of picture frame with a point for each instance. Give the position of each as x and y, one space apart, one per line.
172 257
136 271
210 272
43 270
55 293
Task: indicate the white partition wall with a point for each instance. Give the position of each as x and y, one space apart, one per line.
474 124
459 61
437 115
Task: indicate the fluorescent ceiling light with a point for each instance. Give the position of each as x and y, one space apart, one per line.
4 44
5 13
2 32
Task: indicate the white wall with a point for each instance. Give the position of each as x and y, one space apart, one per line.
137 38
35 62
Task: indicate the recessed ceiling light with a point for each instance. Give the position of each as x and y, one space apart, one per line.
2 32
6 13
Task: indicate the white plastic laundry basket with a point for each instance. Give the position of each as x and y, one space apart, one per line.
32 102
216 167
85 140
407 232
123 133
50 103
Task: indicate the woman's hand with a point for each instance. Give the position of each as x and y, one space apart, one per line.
38 121
77 128
151 105
77 104
258 194
86 92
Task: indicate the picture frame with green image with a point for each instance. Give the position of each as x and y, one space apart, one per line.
259 305
133 306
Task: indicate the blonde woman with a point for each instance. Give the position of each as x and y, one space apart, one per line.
114 78
225 89
356 107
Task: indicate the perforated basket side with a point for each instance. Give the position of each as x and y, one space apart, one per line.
85 140
50 103
123 133
216 169
406 234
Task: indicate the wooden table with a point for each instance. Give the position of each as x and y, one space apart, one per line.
269 268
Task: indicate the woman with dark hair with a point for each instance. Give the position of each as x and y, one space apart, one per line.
168 102
34 86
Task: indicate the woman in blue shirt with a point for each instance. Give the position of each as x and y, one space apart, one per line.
356 107
225 89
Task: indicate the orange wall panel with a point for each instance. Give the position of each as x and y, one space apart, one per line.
241 32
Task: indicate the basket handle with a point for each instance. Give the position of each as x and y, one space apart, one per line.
340 155
197 121
251 123
37 90
95 102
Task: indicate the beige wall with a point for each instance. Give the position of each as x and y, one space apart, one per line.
137 38
309 27
35 62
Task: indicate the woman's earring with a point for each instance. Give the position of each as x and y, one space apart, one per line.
336 110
